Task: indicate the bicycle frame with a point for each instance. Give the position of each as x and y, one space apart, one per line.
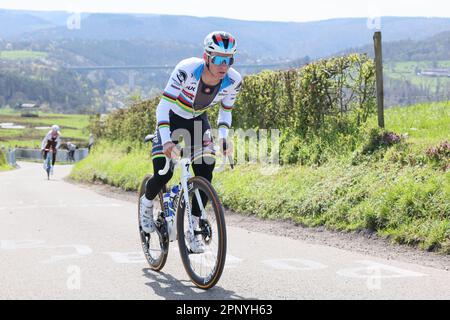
184 163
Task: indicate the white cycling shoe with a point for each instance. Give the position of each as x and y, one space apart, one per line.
196 242
146 215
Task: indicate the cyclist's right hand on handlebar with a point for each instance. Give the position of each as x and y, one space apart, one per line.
170 150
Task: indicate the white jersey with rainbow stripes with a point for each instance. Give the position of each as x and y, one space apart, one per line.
179 96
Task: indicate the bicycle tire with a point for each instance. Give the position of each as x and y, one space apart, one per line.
155 264
211 280
48 166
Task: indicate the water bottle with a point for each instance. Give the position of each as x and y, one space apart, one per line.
174 191
166 201
170 216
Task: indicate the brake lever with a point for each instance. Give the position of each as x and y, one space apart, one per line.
224 159
230 158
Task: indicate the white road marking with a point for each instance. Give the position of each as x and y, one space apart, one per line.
294 264
139 257
23 207
231 261
127 257
63 205
81 251
375 270
21 244
208 259
372 271
74 280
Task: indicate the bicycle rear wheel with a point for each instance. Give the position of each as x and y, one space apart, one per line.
203 269
155 244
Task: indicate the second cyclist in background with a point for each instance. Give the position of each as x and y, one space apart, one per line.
51 141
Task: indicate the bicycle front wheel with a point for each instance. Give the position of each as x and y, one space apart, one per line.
48 166
204 269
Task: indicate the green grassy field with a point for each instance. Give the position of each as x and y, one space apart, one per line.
407 70
395 192
22 54
73 127
425 124
408 67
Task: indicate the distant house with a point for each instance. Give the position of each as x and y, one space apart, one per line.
28 109
435 73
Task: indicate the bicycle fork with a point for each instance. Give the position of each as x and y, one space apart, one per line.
185 176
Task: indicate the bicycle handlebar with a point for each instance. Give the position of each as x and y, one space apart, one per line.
169 160
164 171
166 168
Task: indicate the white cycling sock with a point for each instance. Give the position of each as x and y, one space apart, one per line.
146 202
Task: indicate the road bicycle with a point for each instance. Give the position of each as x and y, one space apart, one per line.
172 213
48 162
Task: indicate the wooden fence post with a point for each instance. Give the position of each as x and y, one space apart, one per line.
379 76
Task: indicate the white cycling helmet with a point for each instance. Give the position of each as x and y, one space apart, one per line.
55 127
220 42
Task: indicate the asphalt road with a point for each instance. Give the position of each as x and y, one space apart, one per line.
62 241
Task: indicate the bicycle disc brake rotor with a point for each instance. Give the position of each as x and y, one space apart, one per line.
206 231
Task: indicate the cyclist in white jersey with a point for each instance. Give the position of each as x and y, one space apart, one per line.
194 86
51 141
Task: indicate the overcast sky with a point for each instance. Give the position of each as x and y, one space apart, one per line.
275 10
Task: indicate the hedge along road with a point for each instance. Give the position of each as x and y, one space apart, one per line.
63 241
